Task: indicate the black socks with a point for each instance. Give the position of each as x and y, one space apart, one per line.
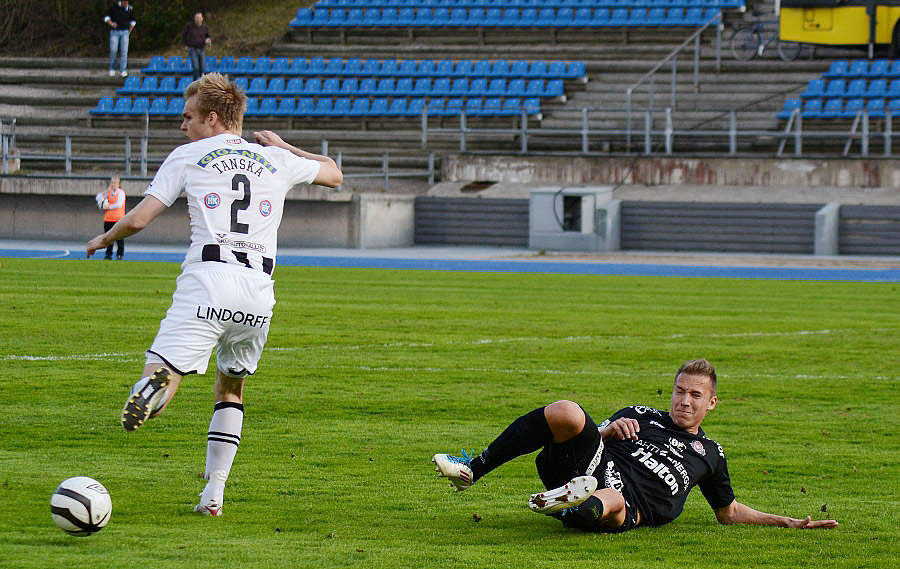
525 435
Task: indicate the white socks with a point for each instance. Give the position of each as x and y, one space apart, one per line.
221 446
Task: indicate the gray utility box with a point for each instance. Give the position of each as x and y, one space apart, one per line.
573 219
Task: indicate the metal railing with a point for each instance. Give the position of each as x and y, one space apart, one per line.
128 158
673 58
659 135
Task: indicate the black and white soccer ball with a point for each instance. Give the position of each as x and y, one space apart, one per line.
80 506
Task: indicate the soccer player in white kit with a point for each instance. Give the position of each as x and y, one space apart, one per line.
224 296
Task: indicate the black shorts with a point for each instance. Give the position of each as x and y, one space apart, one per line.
558 463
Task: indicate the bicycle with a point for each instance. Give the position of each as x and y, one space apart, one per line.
750 41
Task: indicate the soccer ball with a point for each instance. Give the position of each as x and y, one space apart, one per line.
80 506
101 200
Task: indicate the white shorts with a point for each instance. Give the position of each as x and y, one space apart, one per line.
219 305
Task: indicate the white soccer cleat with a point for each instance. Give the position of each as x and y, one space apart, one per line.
570 495
212 496
454 468
145 400
112 73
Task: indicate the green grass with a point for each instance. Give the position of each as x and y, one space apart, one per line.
367 373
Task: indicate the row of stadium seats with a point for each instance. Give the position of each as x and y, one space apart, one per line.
338 107
503 17
840 88
355 67
388 87
846 69
524 3
839 108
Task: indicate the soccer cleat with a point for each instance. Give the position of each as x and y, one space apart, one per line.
142 403
212 496
570 495
454 468
124 74
112 73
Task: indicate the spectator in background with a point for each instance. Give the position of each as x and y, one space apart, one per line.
120 19
195 36
112 202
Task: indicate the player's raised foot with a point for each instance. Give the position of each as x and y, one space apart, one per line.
454 468
212 496
145 400
569 495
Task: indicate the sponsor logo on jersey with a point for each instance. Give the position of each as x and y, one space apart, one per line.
676 447
236 161
698 448
212 200
227 315
642 409
234 140
265 208
223 239
613 478
656 424
658 468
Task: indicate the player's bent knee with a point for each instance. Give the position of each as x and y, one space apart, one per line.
565 419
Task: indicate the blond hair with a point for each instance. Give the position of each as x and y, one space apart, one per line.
700 367
216 93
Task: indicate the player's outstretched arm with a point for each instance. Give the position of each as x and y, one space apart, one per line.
737 513
135 220
329 174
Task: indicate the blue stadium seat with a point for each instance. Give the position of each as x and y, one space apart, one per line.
406 16
281 66
879 68
459 87
858 68
397 108
424 17
267 107
458 17
454 105
421 87
261 66
493 17
286 107
576 70
355 18
315 66
342 106
185 81
475 18
532 106
839 68
305 107
440 16
893 107
426 68
385 88
619 17
789 106
294 87
156 65
512 106
833 109
349 87
675 16
556 70
637 17
496 88
337 18
565 17
415 107
243 65
478 87
441 87
140 106
512 18
407 68
312 87
812 108
518 68
319 17
257 86
875 107
176 107
877 88
388 18
852 107
435 107
389 68
133 85
516 88
353 66
299 66
537 70
444 68
535 88
404 87
656 16
836 88
371 67
815 88
463 68
226 64
303 18
368 86
276 87
856 88
104 106
181 64
371 19
252 107
122 106
379 107
360 107
331 86
482 68
334 66
500 68
583 17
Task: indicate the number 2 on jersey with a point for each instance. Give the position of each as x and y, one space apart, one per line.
238 183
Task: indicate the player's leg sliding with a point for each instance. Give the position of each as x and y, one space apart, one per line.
571 494
222 443
525 435
147 396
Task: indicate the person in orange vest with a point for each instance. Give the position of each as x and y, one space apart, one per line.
112 202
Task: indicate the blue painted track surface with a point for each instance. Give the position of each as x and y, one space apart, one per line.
436 259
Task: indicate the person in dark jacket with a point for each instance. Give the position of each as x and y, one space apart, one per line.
120 19
195 36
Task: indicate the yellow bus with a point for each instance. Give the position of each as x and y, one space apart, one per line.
841 22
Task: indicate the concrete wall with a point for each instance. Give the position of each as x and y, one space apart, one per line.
64 209
873 173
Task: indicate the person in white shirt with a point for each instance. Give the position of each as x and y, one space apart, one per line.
224 296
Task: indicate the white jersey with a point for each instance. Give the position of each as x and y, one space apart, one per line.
235 192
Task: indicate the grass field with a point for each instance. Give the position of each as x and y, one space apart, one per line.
367 373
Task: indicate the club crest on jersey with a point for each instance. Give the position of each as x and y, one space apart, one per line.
698 448
265 208
212 200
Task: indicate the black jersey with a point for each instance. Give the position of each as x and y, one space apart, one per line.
657 471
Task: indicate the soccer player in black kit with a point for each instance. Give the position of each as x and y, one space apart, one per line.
634 469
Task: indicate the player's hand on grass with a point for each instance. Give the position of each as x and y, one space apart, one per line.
621 429
810 523
93 245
